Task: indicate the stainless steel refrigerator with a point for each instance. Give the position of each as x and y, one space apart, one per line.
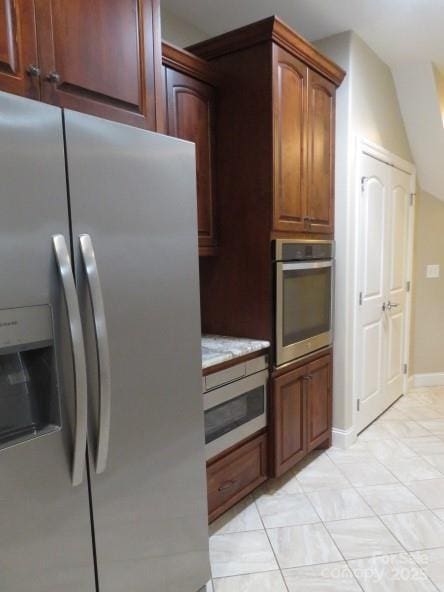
99 343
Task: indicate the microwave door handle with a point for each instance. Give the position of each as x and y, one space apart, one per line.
102 344
307 265
78 356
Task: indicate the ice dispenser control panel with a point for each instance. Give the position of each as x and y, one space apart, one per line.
23 327
29 403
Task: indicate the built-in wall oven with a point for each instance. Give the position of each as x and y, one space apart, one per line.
304 289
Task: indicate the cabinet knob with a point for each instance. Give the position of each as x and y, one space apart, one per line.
53 77
307 220
33 70
308 377
226 485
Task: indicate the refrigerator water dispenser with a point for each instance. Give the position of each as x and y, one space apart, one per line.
29 405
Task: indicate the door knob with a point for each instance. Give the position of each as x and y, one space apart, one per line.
390 305
53 77
33 71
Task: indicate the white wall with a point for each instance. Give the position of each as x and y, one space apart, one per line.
367 106
417 86
439 80
179 32
428 325
338 48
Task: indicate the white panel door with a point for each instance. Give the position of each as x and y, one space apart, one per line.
382 277
373 279
397 281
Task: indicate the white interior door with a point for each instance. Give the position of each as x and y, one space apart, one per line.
400 191
373 272
383 273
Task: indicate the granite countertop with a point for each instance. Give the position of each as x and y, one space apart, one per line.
217 349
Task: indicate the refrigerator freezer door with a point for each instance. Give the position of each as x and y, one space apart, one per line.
45 529
133 192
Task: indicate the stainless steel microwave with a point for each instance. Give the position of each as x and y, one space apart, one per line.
235 405
304 291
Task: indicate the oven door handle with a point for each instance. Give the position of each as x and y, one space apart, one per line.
307 265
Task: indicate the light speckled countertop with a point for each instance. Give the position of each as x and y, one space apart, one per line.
217 349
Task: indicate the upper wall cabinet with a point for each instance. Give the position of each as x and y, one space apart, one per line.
191 103
321 149
274 77
100 57
290 83
304 146
19 71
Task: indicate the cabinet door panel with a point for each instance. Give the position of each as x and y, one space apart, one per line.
103 52
233 476
18 48
190 108
289 410
319 401
290 97
321 148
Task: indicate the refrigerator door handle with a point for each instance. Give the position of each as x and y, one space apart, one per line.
102 344
78 356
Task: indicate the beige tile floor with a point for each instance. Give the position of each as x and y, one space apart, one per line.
370 518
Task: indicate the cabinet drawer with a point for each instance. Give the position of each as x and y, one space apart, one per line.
233 476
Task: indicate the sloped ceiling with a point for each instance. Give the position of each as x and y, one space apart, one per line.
398 30
419 86
406 34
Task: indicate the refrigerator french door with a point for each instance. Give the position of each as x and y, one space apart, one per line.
115 356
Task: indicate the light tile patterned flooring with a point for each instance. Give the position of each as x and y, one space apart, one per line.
369 519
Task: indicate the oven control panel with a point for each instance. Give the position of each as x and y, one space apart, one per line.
288 250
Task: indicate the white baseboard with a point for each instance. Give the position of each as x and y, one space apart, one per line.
343 438
419 380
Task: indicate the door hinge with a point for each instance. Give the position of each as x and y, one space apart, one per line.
358 404
405 368
360 298
408 286
363 180
412 198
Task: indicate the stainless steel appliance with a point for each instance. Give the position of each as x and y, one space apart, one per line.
99 342
304 276
235 403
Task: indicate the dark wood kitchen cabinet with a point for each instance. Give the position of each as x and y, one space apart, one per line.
321 154
279 105
290 79
190 114
101 57
319 401
18 49
275 166
301 411
235 473
289 415
304 147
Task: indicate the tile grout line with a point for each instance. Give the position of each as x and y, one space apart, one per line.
306 494
337 547
422 570
272 548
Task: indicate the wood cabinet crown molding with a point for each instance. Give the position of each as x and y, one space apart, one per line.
183 61
270 29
